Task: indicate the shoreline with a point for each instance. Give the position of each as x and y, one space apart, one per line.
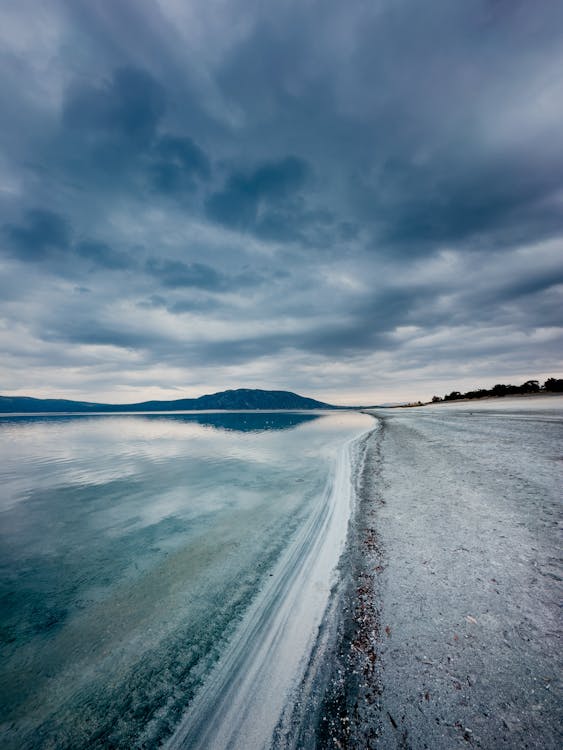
351 715
341 674
350 712
249 699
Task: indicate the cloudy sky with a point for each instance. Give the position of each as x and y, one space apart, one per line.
360 201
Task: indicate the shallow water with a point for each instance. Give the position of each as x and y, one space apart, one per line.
141 555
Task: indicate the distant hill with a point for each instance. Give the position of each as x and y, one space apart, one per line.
242 398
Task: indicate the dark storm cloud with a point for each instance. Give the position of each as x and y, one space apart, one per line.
175 274
125 109
102 255
176 163
262 200
535 283
46 236
339 181
41 234
406 99
512 300
371 321
112 130
502 205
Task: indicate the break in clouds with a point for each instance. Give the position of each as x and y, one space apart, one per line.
356 201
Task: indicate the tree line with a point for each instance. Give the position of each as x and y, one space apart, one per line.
551 385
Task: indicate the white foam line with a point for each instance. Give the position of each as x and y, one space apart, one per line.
243 698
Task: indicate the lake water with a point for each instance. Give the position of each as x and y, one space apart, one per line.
163 576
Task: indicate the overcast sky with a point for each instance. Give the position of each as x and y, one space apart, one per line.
359 201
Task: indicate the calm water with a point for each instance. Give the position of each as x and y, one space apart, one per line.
132 552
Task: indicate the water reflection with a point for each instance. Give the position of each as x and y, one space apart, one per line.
130 548
230 421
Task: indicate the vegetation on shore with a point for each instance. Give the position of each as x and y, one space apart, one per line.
551 385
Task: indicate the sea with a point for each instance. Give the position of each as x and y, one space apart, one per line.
163 577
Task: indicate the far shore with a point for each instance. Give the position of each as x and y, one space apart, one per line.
543 394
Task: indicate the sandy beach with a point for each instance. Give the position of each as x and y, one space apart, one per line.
449 630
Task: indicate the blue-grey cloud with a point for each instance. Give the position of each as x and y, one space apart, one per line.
176 164
103 256
124 110
256 200
40 235
45 236
369 185
499 204
174 274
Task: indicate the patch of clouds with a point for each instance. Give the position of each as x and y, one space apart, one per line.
176 164
46 236
264 201
102 255
298 195
42 234
177 274
126 109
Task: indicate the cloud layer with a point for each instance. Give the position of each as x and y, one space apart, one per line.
358 201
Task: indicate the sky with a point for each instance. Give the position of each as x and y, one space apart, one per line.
361 202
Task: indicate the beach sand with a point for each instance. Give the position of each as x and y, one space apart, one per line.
449 629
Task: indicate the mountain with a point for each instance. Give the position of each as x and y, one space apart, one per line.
19 404
242 398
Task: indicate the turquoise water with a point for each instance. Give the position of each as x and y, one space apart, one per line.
132 548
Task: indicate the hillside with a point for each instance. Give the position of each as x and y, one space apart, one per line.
242 398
